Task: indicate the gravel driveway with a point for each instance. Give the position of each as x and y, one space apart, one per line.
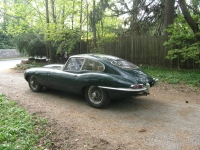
168 119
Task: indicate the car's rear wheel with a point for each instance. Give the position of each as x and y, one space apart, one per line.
34 85
96 97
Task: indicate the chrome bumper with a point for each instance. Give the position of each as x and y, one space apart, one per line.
147 88
136 92
124 89
155 81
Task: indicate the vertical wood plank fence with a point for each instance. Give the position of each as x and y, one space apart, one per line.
142 50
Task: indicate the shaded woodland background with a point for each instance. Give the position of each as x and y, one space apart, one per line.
146 32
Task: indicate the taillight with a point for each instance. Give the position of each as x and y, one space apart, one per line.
137 86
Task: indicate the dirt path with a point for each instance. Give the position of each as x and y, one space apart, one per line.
169 118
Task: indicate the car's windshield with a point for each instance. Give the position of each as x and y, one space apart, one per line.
74 64
124 64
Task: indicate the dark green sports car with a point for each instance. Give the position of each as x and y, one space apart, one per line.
98 77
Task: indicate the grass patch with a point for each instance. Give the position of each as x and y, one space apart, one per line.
18 129
174 76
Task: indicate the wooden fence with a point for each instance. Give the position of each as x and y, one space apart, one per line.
142 50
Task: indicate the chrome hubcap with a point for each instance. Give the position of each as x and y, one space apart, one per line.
33 83
95 94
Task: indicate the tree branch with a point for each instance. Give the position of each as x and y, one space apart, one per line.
188 17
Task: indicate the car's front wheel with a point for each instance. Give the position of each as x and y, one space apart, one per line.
96 97
34 85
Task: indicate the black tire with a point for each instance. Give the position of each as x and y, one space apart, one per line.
34 85
96 97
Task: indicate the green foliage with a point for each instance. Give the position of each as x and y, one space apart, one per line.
37 47
6 41
182 43
173 76
23 19
70 41
97 13
31 44
17 127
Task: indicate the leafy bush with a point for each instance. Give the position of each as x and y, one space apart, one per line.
6 41
182 43
70 42
31 44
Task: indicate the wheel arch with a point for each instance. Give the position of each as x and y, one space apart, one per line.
85 88
99 100
27 77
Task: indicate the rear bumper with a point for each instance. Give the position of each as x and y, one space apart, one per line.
124 89
126 92
114 92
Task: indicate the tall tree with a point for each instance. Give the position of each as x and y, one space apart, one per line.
93 23
168 14
53 10
140 16
191 22
49 47
81 19
96 16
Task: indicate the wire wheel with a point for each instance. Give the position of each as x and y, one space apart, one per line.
95 95
34 85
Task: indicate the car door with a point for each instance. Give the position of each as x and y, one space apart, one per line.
65 79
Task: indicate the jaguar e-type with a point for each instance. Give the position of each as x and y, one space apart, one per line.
98 77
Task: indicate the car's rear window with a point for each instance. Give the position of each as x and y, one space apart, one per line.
124 64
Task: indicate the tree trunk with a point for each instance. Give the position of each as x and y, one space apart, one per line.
48 42
81 25
53 11
73 15
63 17
5 20
87 24
94 26
191 22
134 13
168 14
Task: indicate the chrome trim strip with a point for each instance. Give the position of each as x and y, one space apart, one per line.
124 89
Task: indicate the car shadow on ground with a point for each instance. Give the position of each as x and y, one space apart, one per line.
65 95
121 105
132 109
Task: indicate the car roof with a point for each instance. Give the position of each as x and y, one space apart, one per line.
98 56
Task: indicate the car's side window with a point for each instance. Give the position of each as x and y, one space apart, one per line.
92 65
74 64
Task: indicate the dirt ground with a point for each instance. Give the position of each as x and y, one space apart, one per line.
168 119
